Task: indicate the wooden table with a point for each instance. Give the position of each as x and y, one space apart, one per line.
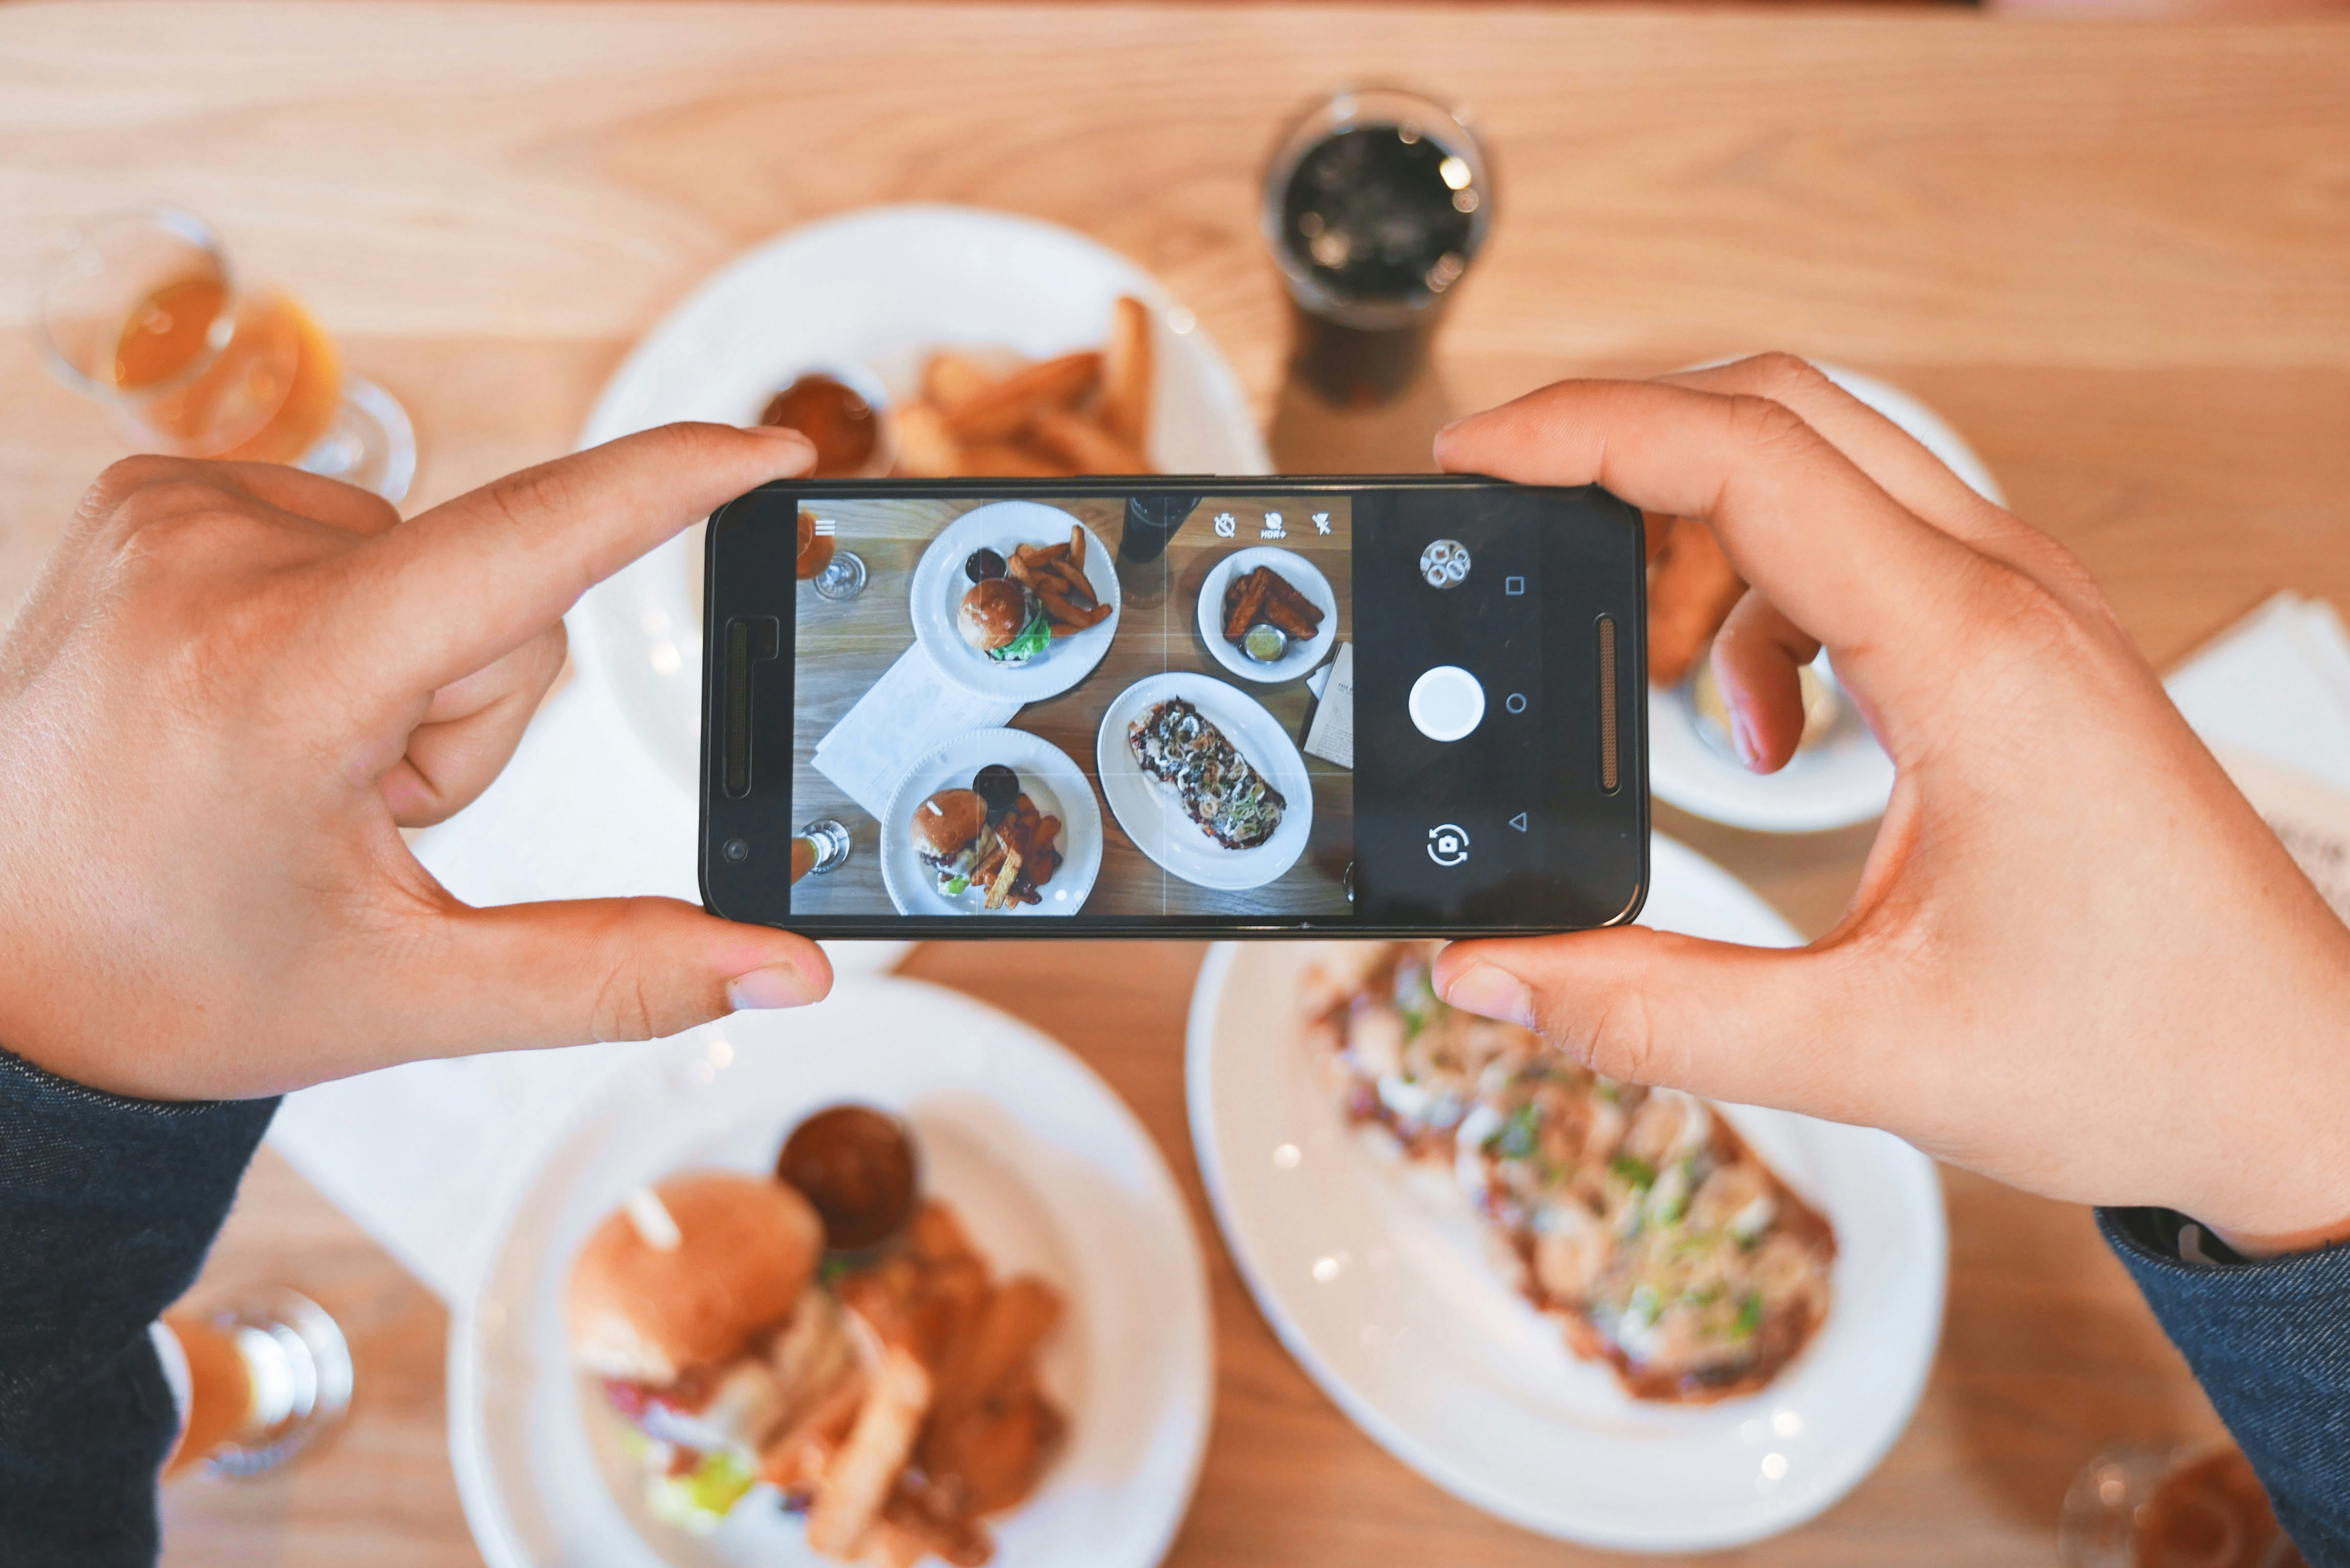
2115 255
844 649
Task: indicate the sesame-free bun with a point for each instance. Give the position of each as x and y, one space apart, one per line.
994 612
947 822
747 1246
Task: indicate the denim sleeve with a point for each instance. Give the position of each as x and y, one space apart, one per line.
106 1208
2269 1341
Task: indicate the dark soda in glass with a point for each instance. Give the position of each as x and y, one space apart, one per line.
1375 202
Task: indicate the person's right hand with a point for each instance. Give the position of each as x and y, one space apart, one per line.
2077 961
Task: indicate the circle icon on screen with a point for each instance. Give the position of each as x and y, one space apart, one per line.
1515 702
1448 844
1444 564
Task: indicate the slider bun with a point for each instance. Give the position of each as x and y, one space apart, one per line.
994 612
949 819
748 1246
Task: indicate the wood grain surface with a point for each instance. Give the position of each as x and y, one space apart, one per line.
2115 255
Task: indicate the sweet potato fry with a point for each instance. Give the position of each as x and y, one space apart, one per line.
1126 374
950 379
859 1479
1244 603
1689 597
925 449
1019 1315
1291 598
1083 445
1005 408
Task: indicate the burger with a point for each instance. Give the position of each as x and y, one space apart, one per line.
951 836
1004 619
697 1304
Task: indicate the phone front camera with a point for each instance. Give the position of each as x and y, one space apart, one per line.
1444 564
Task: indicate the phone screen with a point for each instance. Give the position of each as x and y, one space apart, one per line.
1270 705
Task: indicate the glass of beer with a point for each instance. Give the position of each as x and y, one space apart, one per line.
142 311
255 1381
1376 201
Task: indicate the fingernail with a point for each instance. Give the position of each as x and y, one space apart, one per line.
1492 992
780 434
774 986
1741 740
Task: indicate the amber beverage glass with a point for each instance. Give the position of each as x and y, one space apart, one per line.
142 311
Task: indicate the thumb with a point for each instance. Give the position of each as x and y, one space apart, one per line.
587 969
1747 1024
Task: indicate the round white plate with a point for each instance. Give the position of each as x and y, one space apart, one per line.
939 585
1846 777
1373 1275
1047 1169
1052 780
877 289
1156 822
1300 574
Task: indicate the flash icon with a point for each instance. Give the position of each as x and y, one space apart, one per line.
1321 522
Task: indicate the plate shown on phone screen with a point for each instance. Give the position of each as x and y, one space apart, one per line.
1301 658
1156 820
941 582
1048 777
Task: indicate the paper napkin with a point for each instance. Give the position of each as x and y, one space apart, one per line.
909 710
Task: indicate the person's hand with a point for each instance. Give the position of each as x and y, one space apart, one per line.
2077 960
232 688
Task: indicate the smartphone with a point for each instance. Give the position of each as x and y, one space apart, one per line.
1174 706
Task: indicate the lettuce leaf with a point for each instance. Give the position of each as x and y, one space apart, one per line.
1033 638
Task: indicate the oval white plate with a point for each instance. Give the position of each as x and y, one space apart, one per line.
1054 782
1300 574
939 585
1150 815
1374 1276
1846 777
1045 1165
877 288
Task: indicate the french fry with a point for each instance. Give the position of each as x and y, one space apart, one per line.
859 1479
950 379
796 1460
1077 547
925 449
1077 580
995 894
1058 605
1126 375
1007 460
1689 597
1005 408
1083 445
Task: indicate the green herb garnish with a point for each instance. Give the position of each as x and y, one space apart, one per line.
1750 1315
1518 1135
1633 1172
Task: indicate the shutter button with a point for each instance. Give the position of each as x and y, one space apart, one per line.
1446 702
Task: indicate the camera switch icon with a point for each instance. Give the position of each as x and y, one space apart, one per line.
1448 844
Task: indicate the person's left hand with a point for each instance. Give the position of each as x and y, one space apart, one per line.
232 688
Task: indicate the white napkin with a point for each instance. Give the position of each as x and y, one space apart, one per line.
902 715
420 1155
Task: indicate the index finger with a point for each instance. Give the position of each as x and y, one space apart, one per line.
1800 521
458 587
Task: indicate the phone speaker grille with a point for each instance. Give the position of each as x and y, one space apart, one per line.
1611 775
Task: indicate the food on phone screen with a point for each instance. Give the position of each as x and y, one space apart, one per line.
1218 788
1264 598
1083 412
1636 1217
835 417
856 1165
969 846
983 564
1003 619
893 1399
1692 588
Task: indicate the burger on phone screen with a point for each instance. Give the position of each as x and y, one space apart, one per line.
1004 619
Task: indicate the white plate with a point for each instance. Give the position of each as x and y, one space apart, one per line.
1156 822
1375 1277
1054 782
1846 777
1300 574
1049 1169
939 585
875 289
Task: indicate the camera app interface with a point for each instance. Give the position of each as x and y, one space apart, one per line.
1123 706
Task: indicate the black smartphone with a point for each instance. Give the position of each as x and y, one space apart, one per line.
1174 706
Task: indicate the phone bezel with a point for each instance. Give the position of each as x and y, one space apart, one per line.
1629 610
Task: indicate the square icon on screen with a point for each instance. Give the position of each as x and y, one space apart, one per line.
1514 586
